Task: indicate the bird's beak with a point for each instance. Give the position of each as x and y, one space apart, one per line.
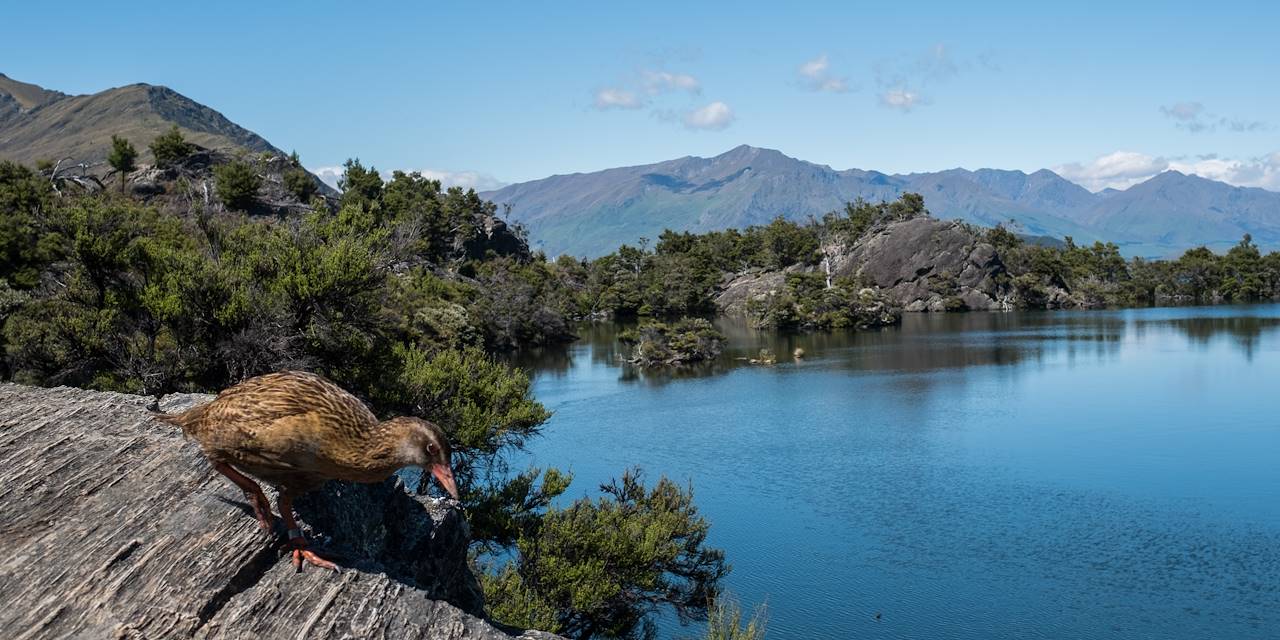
444 475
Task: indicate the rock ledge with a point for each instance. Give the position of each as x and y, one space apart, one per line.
112 525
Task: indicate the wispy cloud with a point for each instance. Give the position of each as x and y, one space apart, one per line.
816 75
903 80
615 98
660 91
712 117
638 92
1193 117
657 82
902 99
465 179
1123 169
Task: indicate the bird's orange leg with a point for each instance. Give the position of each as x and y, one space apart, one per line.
299 542
252 492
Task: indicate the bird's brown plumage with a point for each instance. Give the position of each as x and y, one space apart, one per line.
296 430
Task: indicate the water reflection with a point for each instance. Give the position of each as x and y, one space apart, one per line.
987 475
1246 332
924 342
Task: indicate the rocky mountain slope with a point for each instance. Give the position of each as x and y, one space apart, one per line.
114 526
591 214
39 124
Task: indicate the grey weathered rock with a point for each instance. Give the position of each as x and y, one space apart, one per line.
923 262
192 180
742 289
112 525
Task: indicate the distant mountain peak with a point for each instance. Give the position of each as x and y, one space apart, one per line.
40 124
593 213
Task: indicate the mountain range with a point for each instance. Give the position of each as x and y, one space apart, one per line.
588 214
41 124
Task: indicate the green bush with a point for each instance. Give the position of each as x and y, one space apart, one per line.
237 184
170 148
599 567
300 183
807 304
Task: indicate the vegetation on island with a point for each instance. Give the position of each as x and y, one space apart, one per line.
686 341
684 272
402 292
1098 276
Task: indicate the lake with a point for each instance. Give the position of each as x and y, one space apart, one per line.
1100 474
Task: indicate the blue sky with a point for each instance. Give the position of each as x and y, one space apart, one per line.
1107 93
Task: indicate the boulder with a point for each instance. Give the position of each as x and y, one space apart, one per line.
926 264
112 525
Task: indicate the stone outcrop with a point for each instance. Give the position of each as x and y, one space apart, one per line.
191 180
922 264
112 525
926 264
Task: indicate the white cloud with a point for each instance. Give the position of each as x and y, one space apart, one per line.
816 75
1123 169
901 99
465 179
614 98
638 92
712 117
656 82
1261 172
328 175
1118 170
815 68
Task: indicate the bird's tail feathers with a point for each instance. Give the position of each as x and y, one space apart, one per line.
175 419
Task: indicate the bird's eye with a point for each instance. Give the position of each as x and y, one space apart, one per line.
432 448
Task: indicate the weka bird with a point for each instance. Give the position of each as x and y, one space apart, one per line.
298 430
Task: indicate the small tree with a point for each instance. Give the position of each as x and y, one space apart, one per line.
360 186
297 180
601 567
237 184
170 147
121 157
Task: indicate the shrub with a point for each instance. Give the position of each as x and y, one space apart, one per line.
599 567
237 184
170 147
299 183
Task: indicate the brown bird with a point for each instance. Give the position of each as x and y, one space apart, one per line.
296 431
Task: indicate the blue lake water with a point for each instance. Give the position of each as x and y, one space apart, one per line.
1110 474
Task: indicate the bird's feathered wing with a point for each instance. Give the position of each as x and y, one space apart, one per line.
282 426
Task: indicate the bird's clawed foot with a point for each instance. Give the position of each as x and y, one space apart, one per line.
302 554
261 509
